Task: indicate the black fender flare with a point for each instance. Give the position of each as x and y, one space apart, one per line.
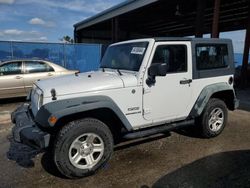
205 95
62 108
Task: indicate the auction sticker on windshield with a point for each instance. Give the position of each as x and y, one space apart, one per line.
138 50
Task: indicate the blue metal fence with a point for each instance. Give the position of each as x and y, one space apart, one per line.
84 57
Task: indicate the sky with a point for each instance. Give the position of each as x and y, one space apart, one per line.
50 20
45 20
238 38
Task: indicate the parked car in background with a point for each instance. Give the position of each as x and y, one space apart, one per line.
18 76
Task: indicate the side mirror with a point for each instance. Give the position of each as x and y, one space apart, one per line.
156 69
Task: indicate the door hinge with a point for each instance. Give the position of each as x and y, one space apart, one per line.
146 90
146 111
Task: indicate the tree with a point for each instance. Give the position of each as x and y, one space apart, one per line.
67 39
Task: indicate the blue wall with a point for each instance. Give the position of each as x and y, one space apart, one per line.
84 57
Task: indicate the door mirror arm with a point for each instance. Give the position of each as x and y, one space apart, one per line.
150 80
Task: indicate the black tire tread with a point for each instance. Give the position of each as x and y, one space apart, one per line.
60 139
205 131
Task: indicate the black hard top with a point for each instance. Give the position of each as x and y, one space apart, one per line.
200 40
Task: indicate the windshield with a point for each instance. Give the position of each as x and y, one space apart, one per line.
125 56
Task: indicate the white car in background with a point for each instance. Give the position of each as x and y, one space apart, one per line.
18 76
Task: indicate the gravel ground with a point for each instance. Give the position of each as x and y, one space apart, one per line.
179 160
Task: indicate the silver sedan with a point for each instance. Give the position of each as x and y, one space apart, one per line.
18 76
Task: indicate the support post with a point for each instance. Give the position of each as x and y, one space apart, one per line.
216 17
199 22
114 30
246 52
76 37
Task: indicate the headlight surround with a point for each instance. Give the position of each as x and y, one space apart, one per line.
28 98
40 101
39 94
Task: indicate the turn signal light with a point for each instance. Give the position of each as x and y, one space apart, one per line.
52 120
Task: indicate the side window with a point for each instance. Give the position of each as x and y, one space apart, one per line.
175 56
11 68
37 66
211 56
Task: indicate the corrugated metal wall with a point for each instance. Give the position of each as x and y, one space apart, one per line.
84 57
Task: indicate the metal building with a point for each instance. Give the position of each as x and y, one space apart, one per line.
153 18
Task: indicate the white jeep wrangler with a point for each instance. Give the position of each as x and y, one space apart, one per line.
143 87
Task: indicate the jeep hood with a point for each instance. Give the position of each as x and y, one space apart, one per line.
86 82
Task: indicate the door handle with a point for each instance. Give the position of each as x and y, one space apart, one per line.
19 77
50 74
186 81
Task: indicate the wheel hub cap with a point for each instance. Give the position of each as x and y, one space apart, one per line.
216 119
86 151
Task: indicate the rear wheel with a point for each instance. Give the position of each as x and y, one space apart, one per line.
213 118
82 147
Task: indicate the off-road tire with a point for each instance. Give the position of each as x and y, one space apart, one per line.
68 134
212 104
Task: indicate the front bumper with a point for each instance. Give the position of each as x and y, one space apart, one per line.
26 130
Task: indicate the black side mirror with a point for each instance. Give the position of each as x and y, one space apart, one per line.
156 69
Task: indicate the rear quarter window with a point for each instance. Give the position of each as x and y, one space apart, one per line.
211 56
37 66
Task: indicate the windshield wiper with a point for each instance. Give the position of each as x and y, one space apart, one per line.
118 70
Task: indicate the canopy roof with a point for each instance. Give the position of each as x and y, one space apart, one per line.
157 18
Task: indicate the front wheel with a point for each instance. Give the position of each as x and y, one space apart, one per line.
82 147
213 118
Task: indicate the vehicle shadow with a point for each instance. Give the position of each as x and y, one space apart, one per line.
226 169
23 155
244 96
50 167
244 106
191 131
130 143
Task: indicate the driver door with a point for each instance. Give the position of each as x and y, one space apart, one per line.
169 98
11 80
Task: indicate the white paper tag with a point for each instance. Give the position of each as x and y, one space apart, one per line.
138 50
